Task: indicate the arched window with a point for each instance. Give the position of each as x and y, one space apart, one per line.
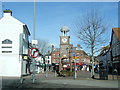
7 41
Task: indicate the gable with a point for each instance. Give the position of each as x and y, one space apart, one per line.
116 32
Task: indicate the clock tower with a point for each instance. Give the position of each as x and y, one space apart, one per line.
64 46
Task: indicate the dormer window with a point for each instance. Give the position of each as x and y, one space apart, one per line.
7 41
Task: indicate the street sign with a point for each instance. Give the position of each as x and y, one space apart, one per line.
75 57
35 53
25 57
35 42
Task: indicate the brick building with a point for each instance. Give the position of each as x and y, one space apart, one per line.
55 55
82 57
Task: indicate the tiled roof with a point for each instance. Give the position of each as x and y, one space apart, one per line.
117 32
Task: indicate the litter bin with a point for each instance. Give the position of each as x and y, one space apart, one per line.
115 74
103 74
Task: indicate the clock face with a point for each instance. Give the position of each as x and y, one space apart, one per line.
64 40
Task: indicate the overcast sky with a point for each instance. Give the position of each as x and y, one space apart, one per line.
51 16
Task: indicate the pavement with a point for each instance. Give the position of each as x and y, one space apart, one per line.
83 80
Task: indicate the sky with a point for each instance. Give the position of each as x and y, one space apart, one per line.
51 16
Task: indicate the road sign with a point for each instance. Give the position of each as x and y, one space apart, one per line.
75 57
35 42
35 53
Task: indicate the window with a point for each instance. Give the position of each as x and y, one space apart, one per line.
54 55
24 36
7 41
77 54
54 61
58 55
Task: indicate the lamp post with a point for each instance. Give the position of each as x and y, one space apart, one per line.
70 61
34 20
34 30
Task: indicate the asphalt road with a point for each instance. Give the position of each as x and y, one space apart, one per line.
42 82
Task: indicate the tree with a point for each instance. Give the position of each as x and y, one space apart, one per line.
44 46
91 30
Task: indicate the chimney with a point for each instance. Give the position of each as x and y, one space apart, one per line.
7 12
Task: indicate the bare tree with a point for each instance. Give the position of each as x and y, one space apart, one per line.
44 46
90 30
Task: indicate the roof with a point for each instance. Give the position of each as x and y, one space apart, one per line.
117 32
64 29
25 26
49 54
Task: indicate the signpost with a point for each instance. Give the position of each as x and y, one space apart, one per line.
75 69
74 57
35 54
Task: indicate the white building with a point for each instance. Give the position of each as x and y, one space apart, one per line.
40 63
48 59
13 43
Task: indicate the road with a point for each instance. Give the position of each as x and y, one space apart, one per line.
83 81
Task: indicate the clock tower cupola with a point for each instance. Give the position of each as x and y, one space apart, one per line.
65 31
64 38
